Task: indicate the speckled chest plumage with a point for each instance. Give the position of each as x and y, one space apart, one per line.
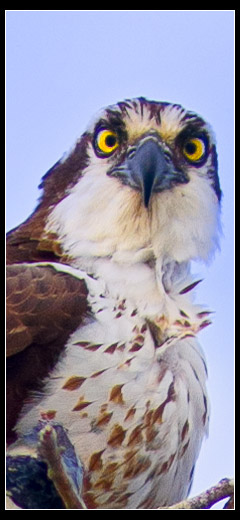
135 411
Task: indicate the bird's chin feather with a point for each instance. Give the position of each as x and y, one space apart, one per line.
181 223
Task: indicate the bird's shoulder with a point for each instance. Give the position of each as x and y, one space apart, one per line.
44 306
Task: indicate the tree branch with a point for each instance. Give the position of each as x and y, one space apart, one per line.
224 489
51 453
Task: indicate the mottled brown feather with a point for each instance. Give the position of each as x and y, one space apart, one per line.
43 308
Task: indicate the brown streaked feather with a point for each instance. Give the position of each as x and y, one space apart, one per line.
28 242
43 308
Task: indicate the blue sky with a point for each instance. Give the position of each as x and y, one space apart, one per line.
62 67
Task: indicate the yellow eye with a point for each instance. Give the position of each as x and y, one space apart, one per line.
194 149
106 141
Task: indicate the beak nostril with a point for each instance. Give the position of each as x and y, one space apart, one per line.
131 153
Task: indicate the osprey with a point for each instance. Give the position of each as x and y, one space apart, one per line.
101 324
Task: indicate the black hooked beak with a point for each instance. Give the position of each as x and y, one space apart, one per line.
149 169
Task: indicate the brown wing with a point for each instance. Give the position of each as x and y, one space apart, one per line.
44 307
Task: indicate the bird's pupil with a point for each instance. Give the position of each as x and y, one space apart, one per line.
190 148
110 141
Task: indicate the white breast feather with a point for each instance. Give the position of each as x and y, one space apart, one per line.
145 381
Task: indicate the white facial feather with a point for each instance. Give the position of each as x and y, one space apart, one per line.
100 217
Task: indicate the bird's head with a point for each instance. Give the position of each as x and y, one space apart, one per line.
142 182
